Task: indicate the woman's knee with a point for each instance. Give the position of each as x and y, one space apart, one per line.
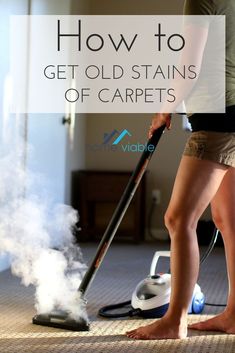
179 223
223 223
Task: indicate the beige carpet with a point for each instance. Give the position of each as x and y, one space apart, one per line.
123 267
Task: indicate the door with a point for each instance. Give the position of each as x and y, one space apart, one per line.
51 155
57 148
8 123
47 136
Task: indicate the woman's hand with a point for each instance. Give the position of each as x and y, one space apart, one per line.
158 120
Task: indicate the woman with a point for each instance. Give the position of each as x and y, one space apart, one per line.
206 175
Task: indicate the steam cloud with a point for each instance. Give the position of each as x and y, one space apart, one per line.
36 233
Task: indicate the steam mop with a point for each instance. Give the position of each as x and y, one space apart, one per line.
64 320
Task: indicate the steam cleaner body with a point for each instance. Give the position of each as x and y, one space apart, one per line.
151 296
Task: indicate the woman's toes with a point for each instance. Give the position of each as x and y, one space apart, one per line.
196 326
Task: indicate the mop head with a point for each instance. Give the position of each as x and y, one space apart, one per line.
62 320
74 319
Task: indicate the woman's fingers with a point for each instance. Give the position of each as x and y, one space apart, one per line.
159 120
168 122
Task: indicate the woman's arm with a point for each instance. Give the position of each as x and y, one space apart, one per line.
195 42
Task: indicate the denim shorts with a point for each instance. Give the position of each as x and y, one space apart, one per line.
213 146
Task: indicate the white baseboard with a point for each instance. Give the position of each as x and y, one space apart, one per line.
4 262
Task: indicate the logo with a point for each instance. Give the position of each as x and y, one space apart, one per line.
108 137
114 141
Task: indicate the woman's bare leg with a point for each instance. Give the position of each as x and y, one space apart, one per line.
223 212
196 183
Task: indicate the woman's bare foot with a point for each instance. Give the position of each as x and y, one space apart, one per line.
223 322
161 329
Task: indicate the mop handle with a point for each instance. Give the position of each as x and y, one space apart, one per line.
121 209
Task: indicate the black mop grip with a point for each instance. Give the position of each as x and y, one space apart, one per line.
121 209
